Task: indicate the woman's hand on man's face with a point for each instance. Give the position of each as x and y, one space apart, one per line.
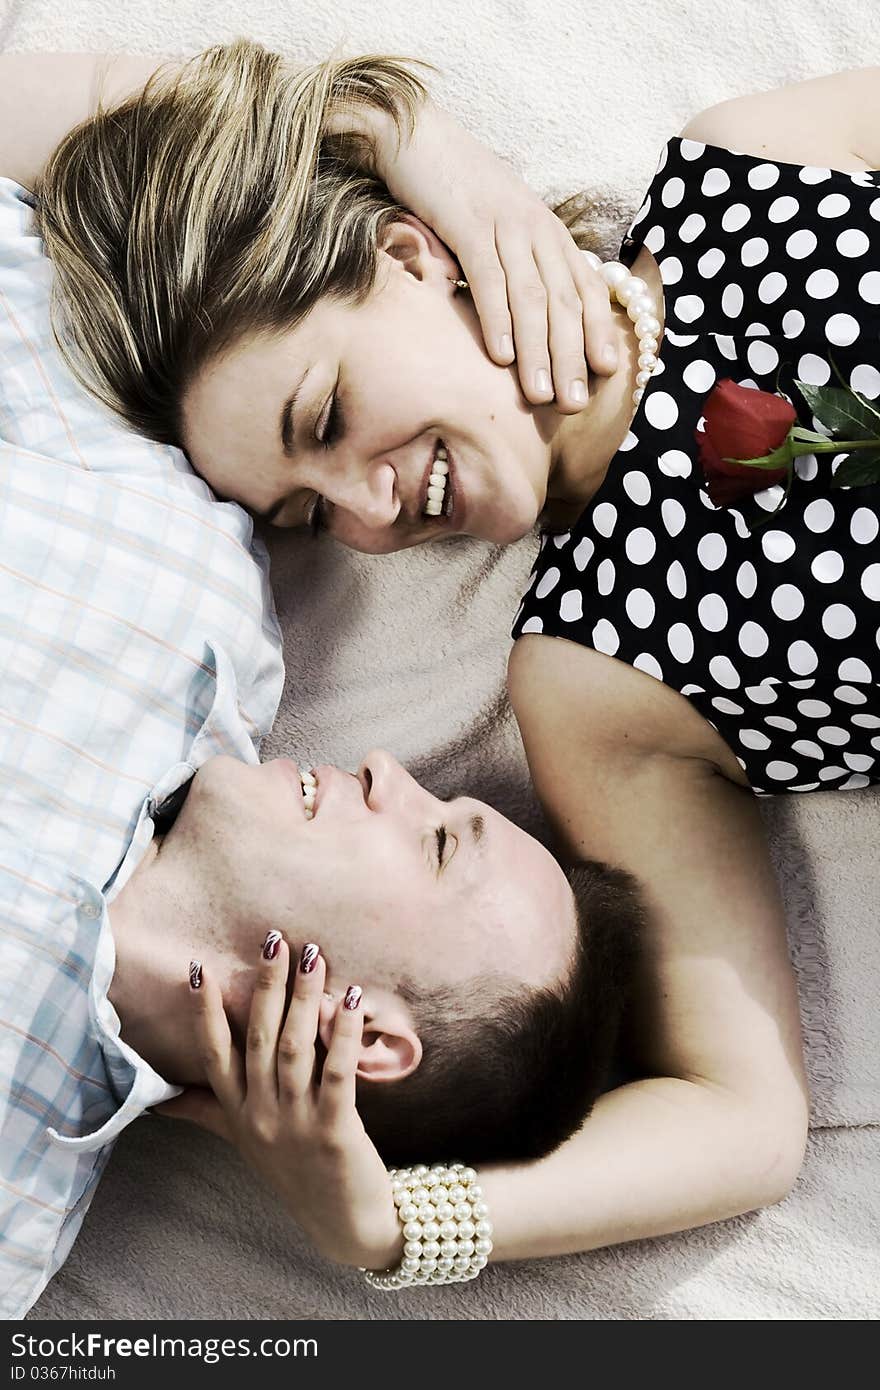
296 1124
536 296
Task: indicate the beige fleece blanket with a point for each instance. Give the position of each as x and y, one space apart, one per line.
409 652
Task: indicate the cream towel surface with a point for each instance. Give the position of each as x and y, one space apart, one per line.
408 652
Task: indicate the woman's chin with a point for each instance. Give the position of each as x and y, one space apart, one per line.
511 527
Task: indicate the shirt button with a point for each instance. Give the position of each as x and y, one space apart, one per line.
90 910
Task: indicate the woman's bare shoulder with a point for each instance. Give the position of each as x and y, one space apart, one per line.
569 698
831 121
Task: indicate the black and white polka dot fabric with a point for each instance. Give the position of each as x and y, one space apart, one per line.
771 273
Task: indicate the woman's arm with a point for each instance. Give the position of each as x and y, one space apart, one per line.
720 1126
833 121
537 298
654 1157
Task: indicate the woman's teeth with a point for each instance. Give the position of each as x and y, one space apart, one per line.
309 785
437 484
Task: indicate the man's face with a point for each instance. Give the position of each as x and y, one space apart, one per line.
391 882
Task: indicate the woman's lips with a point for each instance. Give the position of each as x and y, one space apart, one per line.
453 512
421 500
458 512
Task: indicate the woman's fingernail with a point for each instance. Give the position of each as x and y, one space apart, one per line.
506 345
195 974
542 382
309 958
272 945
609 356
578 392
352 997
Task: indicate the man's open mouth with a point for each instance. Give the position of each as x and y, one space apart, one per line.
309 790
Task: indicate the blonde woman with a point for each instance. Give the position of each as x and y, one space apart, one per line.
258 355
539 305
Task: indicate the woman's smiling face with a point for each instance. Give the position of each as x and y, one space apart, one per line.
338 421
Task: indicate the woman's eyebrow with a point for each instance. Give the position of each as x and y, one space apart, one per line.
286 421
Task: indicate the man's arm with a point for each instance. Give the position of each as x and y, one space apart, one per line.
536 297
719 1126
44 95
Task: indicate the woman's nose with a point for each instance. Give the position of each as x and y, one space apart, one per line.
368 493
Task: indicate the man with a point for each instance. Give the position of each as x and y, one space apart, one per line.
119 573
128 842
123 574
140 666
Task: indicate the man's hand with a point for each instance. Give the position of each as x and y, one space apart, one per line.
301 1132
532 287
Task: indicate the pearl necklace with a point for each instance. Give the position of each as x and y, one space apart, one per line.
632 293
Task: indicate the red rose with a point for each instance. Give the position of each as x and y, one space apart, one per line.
741 423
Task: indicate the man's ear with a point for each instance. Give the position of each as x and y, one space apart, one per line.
390 1047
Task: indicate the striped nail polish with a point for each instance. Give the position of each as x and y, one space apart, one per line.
195 974
309 958
272 945
352 998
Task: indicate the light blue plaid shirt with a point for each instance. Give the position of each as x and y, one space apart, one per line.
137 639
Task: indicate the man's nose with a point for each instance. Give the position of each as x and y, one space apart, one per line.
387 784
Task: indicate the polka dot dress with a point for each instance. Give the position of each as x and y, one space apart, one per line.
771 273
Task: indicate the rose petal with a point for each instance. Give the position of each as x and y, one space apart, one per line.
724 491
743 423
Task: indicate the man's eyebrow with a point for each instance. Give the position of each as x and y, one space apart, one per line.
477 827
286 420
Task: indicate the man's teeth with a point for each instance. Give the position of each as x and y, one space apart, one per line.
437 484
309 785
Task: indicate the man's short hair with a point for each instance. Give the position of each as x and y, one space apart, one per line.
510 1073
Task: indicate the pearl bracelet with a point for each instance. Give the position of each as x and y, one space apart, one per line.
445 1224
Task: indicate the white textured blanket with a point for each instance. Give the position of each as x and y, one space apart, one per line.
409 652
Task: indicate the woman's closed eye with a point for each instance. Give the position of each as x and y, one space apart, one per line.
331 426
328 431
316 516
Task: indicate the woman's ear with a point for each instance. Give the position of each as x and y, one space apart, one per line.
390 1048
418 250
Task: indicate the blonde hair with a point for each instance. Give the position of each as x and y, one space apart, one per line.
218 202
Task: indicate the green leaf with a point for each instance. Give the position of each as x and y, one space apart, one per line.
858 395
869 405
858 470
841 411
